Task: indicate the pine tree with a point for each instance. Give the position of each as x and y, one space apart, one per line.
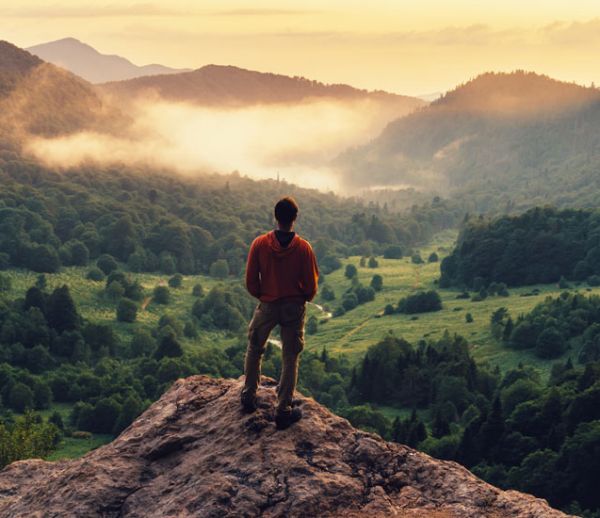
61 313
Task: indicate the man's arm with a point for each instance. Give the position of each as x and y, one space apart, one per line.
310 274
253 271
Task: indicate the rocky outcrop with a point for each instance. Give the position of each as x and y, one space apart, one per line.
193 453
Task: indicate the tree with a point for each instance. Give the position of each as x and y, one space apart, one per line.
550 343
107 263
20 397
469 318
43 259
176 281
126 310
162 295
433 258
95 274
142 344
312 325
416 258
327 293
5 283
392 252
219 269
168 347
377 282
61 313
350 271
373 262
197 290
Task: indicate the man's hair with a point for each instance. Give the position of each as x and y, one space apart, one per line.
286 211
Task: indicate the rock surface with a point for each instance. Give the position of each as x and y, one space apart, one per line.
193 453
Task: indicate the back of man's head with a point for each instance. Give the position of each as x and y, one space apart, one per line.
286 211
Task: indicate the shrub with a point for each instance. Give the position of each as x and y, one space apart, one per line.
421 302
81 434
468 318
197 290
593 280
95 274
327 293
388 310
377 282
433 258
176 281
20 397
393 252
161 295
312 325
350 271
168 347
373 262
107 263
416 258
219 269
126 311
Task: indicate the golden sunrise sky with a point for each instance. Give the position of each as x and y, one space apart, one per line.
411 47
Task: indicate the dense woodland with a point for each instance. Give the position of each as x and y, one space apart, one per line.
540 246
512 429
166 223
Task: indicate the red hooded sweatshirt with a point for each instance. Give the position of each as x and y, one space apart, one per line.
275 272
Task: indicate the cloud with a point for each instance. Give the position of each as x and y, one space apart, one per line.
263 12
86 11
298 141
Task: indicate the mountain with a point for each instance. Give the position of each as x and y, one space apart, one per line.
42 99
86 62
520 138
229 85
193 453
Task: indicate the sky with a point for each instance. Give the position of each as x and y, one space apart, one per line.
407 47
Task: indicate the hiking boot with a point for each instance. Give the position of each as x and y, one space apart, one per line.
284 420
249 402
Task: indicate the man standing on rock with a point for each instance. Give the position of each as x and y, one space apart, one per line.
282 273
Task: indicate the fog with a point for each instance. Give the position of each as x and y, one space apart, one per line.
297 141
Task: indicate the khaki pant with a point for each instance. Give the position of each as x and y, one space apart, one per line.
290 316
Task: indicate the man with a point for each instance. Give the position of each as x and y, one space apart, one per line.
282 273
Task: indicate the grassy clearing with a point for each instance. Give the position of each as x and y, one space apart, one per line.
355 331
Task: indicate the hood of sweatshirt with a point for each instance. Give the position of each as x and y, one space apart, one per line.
278 250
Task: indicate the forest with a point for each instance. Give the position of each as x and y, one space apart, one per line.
539 246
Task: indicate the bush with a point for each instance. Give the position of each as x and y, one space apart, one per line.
377 282
312 325
349 301
219 269
327 293
176 281
433 258
81 434
421 302
392 252
373 262
168 347
95 274
468 318
126 311
416 259
197 290
350 271
388 310
107 263
161 295
20 397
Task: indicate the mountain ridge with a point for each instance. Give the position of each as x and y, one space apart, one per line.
228 84
193 453
93 66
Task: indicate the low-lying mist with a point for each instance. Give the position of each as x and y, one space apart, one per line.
297 141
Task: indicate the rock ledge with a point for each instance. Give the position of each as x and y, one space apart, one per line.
193 453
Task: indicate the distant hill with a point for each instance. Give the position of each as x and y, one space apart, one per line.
229 85
42 99
520 138
86 62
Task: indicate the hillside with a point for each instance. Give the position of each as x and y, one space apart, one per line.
518 139
89 64
42 99
194 453
229 85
